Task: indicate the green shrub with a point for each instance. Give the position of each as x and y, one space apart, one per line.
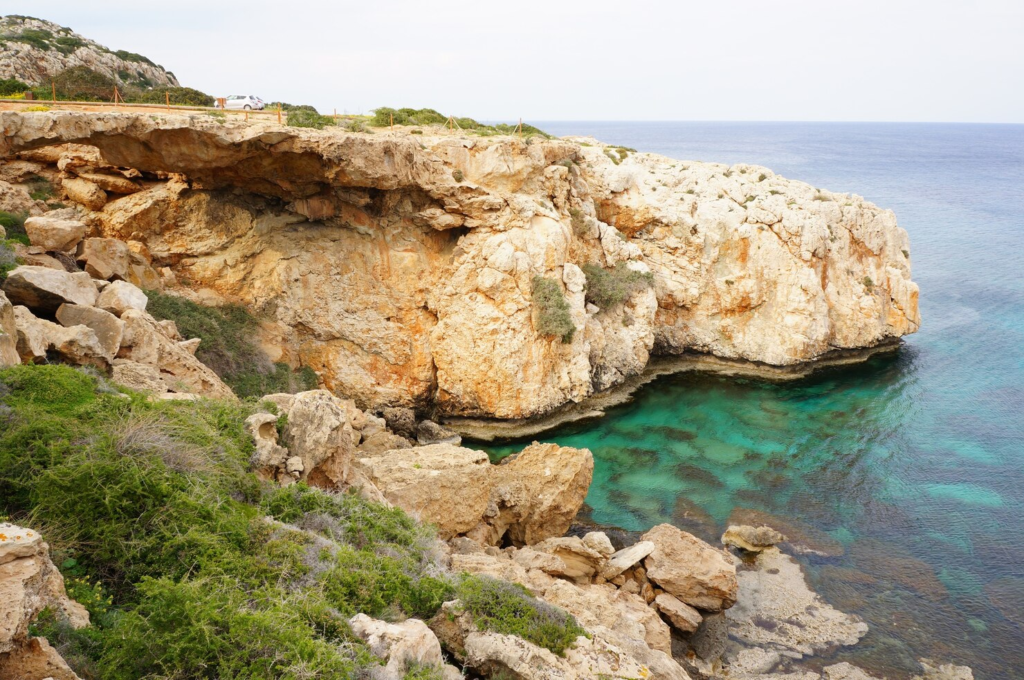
553 316
609 287
133 57
509 609
868 283
579 222
457 175
181 555
14 225
285 106
9 86
80 83
8 261
228 346
308 119
179 96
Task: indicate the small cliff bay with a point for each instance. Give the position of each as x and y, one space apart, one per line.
898 481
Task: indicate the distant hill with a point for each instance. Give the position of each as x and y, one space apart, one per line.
34 51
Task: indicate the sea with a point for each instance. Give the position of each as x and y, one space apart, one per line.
907 471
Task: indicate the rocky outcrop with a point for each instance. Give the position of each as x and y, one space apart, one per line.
750 265
8 333
404 286
690 569
56 48
29 583
404 647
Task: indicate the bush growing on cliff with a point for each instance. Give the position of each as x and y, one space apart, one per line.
9 86
509 609
309 119
14 225
609 287
205 571
179 96
228 346
553 316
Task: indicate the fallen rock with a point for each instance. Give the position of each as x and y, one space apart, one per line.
626 558
108 328
428 432
8 333
84 192
693 571
115 185
271 461
120 296
801 537
144 342
580 563
403 646
752 539
775 608
381 442
682 616
139 377
402 421
76 345
599 542
51 233
320 433
105 258
445 485
846 671
537 494
44 289
490 654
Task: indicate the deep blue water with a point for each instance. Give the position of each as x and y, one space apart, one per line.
913 463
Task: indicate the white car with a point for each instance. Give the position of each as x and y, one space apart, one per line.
242 101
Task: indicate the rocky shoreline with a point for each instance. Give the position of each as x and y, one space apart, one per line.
596 406
409 274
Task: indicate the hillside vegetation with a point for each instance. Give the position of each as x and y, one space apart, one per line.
191 567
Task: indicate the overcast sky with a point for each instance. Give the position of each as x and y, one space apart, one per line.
827 60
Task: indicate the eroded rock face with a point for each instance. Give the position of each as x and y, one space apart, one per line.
753 266
8 333
47 289
402 286
402 646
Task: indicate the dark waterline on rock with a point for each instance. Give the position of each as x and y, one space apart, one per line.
906 472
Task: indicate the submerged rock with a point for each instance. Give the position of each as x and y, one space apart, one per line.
775 608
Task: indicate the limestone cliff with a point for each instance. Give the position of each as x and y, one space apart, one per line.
34 50
401 267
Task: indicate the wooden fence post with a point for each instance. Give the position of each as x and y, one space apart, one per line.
167 95
54 86
279 113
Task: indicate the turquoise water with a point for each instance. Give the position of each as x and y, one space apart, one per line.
907 471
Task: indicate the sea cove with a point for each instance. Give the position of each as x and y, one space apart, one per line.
905 471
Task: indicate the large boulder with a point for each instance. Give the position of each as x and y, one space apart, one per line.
8 333
29 583
320 433
120 296
136 376
146 342
690 569
442 484
44 289
52 233
493 654
84 192
270 460
402 646
105 258
537 494
108 328
76 345
751 539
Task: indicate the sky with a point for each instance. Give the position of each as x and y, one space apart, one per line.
729 60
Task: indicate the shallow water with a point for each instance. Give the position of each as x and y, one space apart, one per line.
911 465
